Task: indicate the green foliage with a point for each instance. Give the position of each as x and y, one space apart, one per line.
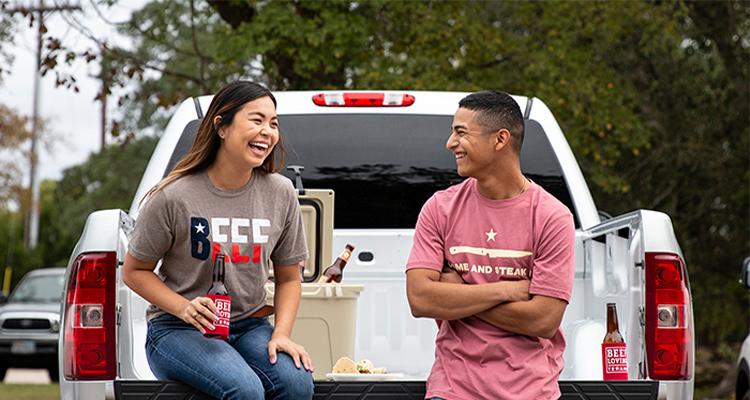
695 100
106 180
14 253
183 53
14 135
6 30
555 51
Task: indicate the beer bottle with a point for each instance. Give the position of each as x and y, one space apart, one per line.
614 350
219 294
333 272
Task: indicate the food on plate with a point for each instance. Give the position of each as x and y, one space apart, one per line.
346 365
365 366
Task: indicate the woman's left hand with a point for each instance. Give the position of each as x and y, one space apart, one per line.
284 343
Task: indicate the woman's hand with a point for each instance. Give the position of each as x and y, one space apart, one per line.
280 342
199 312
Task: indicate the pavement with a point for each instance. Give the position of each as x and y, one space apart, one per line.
27 376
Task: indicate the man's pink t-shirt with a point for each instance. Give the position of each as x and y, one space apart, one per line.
530 236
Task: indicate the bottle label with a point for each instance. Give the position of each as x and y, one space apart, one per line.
614 361
345 254
223 311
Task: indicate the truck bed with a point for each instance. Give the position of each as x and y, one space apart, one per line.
393 390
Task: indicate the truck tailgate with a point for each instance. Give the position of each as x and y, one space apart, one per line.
392 390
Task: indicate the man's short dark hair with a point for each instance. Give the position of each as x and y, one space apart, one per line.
496 110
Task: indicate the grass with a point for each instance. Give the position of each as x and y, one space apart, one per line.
29 392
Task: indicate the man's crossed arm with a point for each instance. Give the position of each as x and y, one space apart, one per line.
505 304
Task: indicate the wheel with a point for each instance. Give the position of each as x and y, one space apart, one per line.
54 373
3 370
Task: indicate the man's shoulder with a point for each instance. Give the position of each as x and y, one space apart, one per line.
550 206
453 191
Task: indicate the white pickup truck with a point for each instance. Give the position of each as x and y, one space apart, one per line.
383 155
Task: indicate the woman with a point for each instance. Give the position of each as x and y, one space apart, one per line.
224 197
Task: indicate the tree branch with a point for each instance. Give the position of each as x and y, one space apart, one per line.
234 13
202 67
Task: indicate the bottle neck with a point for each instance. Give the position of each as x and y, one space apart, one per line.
612 324
344 256
218 272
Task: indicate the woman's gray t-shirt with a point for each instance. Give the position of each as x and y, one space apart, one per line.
190 221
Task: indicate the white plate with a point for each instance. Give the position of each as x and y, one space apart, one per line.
365 377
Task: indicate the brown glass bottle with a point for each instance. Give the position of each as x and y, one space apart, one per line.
614 349
334 272
613 328
219 294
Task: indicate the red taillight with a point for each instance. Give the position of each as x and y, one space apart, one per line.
359 99
669 334
89 332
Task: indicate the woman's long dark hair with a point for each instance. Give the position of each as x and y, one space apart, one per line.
226 103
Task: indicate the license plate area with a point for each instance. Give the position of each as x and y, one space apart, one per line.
23 347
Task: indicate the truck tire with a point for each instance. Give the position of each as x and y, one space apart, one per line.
54 373
3 370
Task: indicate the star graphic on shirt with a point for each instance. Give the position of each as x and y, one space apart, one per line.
491 235
199 228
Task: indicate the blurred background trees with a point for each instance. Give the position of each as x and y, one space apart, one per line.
654 98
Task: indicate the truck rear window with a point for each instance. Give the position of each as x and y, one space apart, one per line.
383 167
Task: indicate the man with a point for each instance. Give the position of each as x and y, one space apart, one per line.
492 262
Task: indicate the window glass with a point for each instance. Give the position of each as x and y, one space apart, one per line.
383 167
39 289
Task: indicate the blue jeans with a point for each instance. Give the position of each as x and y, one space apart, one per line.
236 369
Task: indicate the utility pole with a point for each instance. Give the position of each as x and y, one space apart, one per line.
8 269
31 226
31 231
105 90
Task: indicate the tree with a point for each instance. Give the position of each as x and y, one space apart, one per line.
14 133
6 29
105 180
14 128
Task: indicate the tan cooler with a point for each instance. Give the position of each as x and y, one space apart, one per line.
326 322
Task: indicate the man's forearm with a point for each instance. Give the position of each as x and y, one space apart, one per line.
449 301
540 316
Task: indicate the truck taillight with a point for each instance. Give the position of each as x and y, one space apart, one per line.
361 99
89 332
669 333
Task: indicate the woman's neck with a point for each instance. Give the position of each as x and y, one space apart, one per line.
227 176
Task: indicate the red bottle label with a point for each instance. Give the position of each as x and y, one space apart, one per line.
614 361
223 308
